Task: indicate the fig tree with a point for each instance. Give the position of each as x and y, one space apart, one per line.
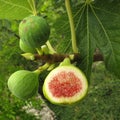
23 84
66 84
34 31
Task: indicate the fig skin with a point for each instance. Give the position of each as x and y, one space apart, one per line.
23 84
25 48
34 31
65 100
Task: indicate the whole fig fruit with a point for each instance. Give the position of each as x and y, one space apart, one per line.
23 84
34 31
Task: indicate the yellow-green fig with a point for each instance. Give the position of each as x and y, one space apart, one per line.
23 84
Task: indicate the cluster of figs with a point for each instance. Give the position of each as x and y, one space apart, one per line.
65 84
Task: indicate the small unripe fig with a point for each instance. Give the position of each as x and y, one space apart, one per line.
34 31
26 48
23 84
66 84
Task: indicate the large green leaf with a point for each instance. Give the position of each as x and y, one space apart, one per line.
84 32
15 9
106 30
85 38
97 26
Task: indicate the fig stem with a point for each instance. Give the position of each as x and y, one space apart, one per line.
73 35
28 56
50 47
45 49
65 62
42 68
40 52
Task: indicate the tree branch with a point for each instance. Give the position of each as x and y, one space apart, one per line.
53 58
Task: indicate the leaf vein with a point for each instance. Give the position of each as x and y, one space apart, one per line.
80 17
15 5
106 11
88 42
105 32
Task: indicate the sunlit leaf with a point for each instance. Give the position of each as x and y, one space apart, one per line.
15 9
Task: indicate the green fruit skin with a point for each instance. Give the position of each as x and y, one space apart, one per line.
23 84
62 102
24 47
34 31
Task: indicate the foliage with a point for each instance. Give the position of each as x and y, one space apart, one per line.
10 61
97 27
12 9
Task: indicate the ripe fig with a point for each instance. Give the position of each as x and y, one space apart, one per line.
23 84
34 31
66 84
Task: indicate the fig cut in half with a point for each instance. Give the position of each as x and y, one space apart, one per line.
65 85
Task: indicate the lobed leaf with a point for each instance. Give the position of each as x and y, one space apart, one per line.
97 26
106 28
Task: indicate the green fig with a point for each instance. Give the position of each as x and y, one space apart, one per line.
23 84
34 31
26 48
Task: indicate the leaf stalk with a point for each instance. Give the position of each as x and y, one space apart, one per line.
73 35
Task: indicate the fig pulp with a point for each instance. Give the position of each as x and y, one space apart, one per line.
66 84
